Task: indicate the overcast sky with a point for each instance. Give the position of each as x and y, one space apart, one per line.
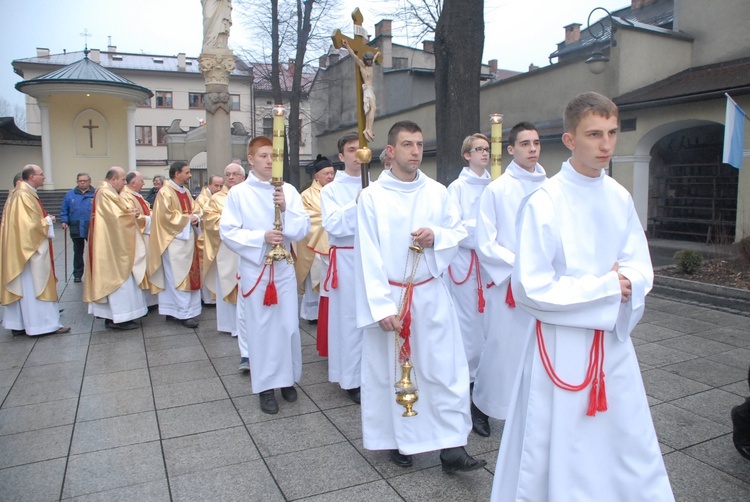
517 32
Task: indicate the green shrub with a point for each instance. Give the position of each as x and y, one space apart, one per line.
744 246
688 261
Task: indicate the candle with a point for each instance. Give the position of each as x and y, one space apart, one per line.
496 166
277 169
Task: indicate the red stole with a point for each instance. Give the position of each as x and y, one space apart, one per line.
186 204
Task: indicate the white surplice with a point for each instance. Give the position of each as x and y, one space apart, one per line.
506 327
387 212
338 202
274 345
465 274
570 233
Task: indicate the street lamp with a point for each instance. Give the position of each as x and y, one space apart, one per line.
598 61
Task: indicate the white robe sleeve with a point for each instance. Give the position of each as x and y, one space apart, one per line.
539 281
635 264
338 220
372 290
448 234
147 230
51 229
249 244
296 219
496 259
469 221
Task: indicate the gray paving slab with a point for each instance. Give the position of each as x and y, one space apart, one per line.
190 392
291 434
377 490
46 355
718 453
197 418
250 481
317 470
176 355
714 404
182 372
657 355
8 377
708 372
695 481
114 432
679 428
208 450
36 482
237 384
34 446
41 392
104 470
37 416
115 381
348 421
113 404
172 341
152 491
52 371
738 336
433 485
249 408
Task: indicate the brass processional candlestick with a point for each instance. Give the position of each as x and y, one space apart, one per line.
406 388
278 252
496 148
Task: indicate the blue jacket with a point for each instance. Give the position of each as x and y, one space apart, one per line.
76 212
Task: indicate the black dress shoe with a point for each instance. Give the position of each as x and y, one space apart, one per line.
77 279
190 323
17 332
268 402
400 459
289 394
456 459
127 325
480 422
355 395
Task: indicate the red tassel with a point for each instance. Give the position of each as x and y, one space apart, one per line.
270 297
482 303
592 400
335 280
602 404
406 326
509 298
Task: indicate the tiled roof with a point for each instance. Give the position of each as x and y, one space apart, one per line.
658 14
694 82
83 71
262 77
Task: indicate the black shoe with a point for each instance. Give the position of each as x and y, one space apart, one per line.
17 332
127 325
289 394
355 395
312 321
400 459
480 422
77 279
190 323
268 402
457 460
151 308
741 428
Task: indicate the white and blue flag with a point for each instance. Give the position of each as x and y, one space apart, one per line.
734 133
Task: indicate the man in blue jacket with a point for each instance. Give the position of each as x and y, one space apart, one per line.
75 215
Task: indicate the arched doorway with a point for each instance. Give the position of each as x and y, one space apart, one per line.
692 195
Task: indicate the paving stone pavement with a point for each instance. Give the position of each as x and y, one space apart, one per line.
161 413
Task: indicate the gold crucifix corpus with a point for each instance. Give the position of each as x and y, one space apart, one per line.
363 58
91 128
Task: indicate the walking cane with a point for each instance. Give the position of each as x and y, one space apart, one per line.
65 239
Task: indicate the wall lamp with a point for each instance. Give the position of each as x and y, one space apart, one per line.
598 61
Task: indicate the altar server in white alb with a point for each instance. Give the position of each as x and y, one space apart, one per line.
579 426
403 207
506 325
338 201
267 301
465 275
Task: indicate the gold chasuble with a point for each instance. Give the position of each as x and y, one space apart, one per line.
136 200
316 240
171 213
201 203
115 248
212 254
23 238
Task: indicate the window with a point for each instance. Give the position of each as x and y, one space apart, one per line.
196 100
143 135
398 63
161 135
163 99
235 101
146 103
268 127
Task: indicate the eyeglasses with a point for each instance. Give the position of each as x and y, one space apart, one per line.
480 149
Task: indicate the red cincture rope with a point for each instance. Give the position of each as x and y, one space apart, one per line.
405 317
474 263
333 265
270 298
509 297
594 372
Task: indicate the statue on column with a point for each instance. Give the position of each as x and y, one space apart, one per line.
217 20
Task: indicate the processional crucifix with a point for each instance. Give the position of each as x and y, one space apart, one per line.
363 58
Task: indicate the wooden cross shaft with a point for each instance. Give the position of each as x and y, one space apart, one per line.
91 128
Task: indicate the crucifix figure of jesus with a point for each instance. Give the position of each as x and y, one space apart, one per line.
363 57
91 128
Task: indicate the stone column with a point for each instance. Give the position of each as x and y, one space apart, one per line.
131 137
49 182
216 64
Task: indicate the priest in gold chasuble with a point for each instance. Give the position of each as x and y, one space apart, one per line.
132 193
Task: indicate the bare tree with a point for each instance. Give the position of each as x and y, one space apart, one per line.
416 19
292 28
15 110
